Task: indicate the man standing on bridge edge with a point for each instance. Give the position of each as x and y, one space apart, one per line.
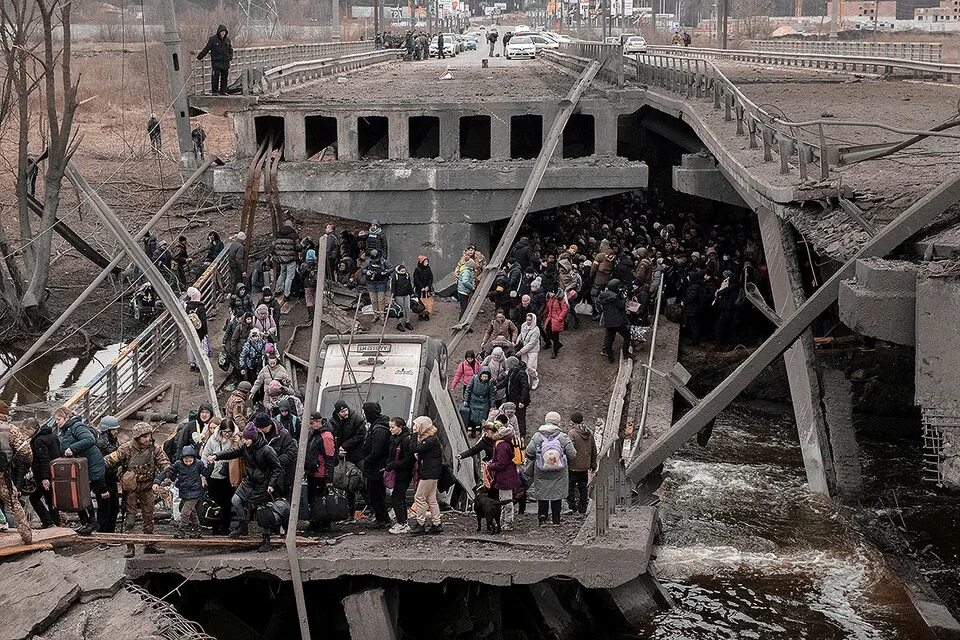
221 53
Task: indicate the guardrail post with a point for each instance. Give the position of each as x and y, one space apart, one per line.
135 367
782 148
727 108
767 142
112 388
824 161
716 96
802 158
752 132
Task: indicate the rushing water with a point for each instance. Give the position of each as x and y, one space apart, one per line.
746 552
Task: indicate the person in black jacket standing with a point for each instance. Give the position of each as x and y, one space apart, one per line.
376 450
694 302
45 446
400 462
423 285
286 447
518 391
221 53
613 302
108 442
402 292
263 475
349 431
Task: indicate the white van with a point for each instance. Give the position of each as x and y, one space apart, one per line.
406 374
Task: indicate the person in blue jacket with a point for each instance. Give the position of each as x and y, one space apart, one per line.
78 441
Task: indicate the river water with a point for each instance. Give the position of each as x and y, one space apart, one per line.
53 372
746 552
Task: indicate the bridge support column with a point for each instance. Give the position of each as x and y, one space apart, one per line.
294 136
175 70
347 138
785 281
442 242
838 406
605 129
370 615
450 136
500 136
399 144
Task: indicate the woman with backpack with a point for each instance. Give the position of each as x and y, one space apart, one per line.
197 314
504 476
402 287
551 450
308 276
398 473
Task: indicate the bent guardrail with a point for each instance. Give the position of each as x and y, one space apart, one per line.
305 70
263 58
106 392
919 51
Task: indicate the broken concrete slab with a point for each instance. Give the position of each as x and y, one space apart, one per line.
638 599
558 621
369 616
34 592
119 616
99 572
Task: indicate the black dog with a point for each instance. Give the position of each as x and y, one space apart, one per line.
488 508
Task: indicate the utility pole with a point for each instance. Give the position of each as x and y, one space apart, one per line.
335 20
723 8
376 18
834 19
181 110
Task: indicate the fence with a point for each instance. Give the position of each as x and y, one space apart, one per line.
264 58
107 391
607 485
303 71
920 51
611 55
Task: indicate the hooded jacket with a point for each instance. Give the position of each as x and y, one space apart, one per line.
376 445
400 458
614 306
186 478
263 469
79 438
46 448
582 437
321 452
349 433
481 395
503 472
522 253
286 447
220 49
529 340
422 276
429 457
551 485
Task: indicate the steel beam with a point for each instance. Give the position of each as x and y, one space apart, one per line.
71 236
922 213
170 301
567 107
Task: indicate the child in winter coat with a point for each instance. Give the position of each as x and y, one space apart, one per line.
187 476
465 371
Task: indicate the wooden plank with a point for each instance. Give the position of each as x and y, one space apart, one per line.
916 217
567 107
137 404
6 552
58 535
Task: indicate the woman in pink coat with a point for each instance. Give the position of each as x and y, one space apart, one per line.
465 371
554 320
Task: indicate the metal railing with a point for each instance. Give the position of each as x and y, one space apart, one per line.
611 55
263 58
920 51
642 425
107 391
607 485
844 62
302 71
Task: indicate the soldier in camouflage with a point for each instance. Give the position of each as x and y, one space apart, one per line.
15 454
141 460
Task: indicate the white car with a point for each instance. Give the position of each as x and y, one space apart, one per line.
635 44
449 47
520 47
521 28
540 42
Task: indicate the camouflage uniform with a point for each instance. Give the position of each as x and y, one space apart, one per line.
141 464
19 454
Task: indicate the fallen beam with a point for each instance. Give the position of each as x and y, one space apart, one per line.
922 213
567 107
137 404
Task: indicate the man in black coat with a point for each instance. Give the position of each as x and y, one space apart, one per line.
45 446
518 390
221 53
376 450
263 476
349 432
613 303
286 447
694 303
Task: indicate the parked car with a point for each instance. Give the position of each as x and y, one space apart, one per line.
449 47
472 42
635 44
611 40
541 42
520 47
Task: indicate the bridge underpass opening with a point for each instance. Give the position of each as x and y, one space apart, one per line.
579 136
475 137
424 136
630 135
526 136
373 137
269 125
321 132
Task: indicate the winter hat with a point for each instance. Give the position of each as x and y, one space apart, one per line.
250 432
284 404
188 451
536 284
508 406
274 388
371 410
504 433
241 236
552 417
311 255
261 420
245 386
576 417
339 405
263 310
193 294
497 353
270 349
421 259
513 363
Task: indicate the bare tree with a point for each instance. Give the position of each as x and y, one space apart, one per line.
37 65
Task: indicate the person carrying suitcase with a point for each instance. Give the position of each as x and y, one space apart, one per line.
78 441
141 460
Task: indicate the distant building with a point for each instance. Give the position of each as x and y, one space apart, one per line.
949 10
869 9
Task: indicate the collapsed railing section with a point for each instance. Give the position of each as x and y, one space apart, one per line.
264 58
921 51
608 486
610 55
106 392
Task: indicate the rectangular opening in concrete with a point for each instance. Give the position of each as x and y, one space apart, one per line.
579 136
475 137
321 132
267 126
629 135
424 137
526 136
373 136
